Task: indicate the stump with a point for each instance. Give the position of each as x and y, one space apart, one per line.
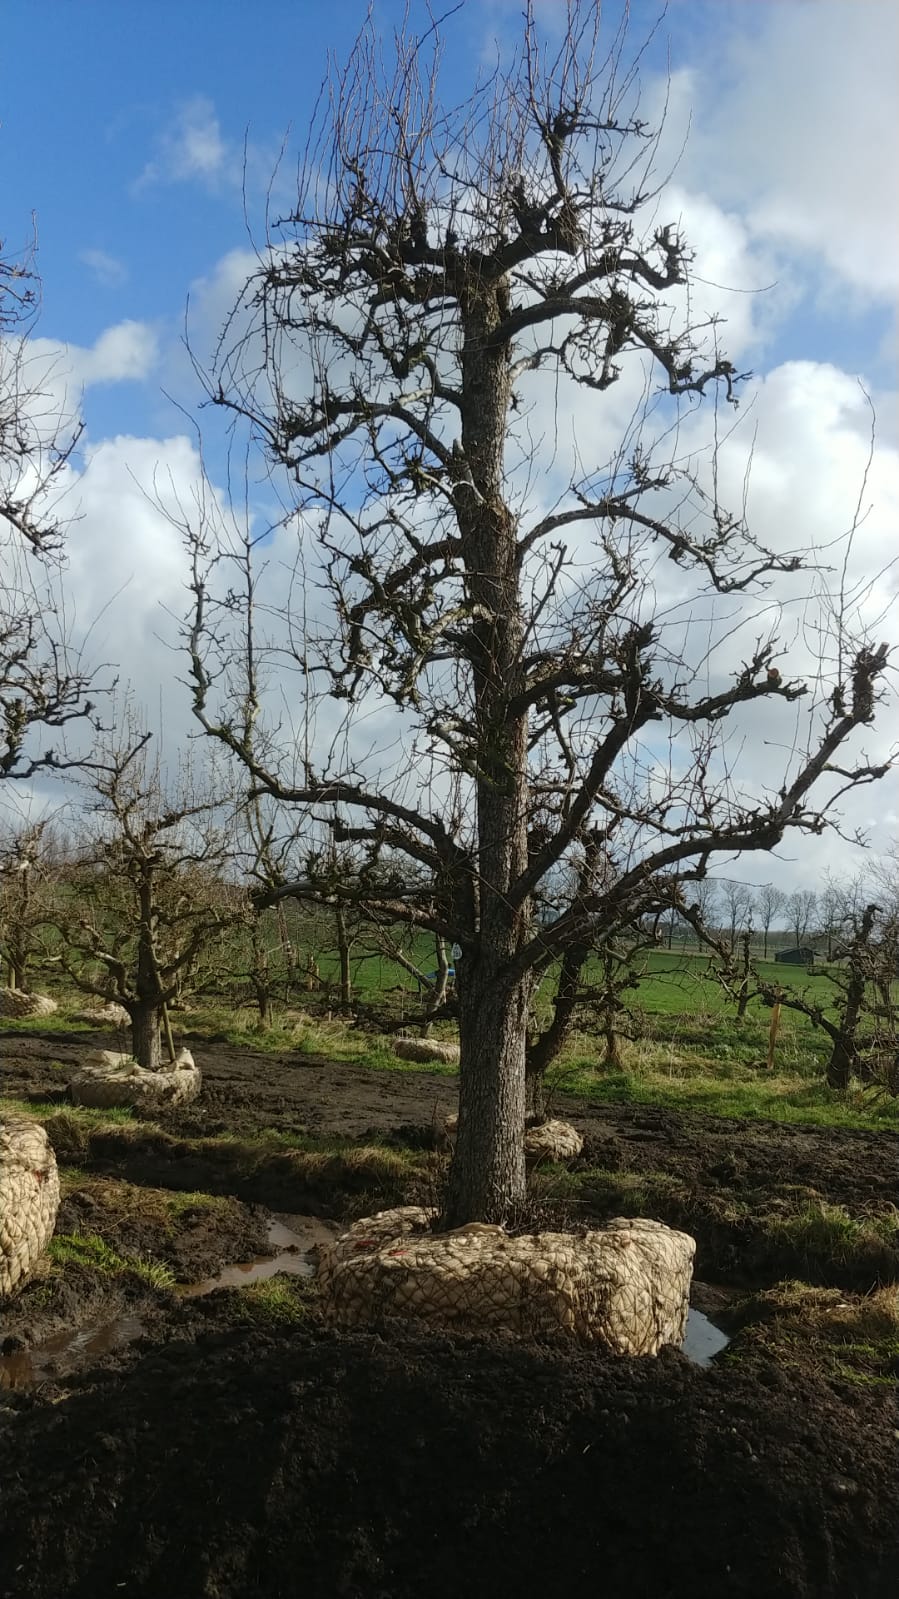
109 1079
425 1049
550 1140
625 1287
29 1199
14 1003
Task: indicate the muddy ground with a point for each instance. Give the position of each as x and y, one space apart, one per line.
246 1092
241 1447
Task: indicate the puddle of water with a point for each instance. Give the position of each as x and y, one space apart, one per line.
294 1247
703 1339
293 1239
66 1351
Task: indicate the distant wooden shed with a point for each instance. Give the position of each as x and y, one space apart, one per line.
801 956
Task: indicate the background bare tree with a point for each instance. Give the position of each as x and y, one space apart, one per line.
445 270
860 1029
770 902
736 901
800 909
29 885
44 682
146 892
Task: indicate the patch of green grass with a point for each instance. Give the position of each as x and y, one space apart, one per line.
90 1252
843 1337
726 1088
177 1202
276 1301
59 1022
84 1115
819 1231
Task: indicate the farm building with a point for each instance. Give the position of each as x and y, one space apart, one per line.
801 956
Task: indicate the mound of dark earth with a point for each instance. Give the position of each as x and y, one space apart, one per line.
234 1463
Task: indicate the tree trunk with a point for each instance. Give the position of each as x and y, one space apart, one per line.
611 1061
844 1054
263 1005
145 1009
487 1176
841 1063
146 1034
534 1094
343 952
290 959
435 997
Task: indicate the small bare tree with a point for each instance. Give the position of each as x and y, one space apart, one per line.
44 682
770 902
443 273
28 889
800 908
737 902
146 892
849 1020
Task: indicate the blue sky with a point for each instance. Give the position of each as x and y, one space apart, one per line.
123 125
96 95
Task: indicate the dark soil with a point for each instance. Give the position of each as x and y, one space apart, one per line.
229 1455
392 1467
195 1240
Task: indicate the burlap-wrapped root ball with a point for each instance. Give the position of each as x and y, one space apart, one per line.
108 1079
626 1287
551 1140
14 1003
110 1015
29 1199
426 1049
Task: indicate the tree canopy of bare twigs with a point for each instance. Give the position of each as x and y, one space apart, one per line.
44 683
146 891
444 275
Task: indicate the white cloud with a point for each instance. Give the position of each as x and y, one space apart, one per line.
191 149
800 138
125 353
106 268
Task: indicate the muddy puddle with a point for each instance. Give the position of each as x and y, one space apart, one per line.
294 1241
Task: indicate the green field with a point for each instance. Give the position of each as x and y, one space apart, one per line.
681 1042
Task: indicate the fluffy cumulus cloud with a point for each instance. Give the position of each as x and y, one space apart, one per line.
126 570
128 352
798 126
191 149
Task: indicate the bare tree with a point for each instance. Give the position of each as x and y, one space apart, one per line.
443 273
800 908
731 962
146 891
261 953
44 682
737 900
850 1019
770 902
28 887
